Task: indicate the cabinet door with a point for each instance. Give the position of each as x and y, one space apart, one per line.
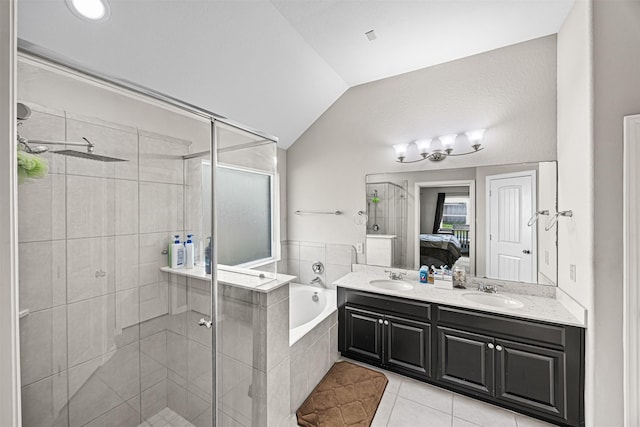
408 346
364 333
465 360
531 376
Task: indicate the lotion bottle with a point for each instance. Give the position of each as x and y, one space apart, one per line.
176 253
189 260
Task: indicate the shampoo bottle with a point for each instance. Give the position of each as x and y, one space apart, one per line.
176 253
189 260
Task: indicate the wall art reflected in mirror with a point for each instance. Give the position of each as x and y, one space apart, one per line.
488 220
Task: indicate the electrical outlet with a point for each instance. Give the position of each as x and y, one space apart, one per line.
546 257
572 272
359 248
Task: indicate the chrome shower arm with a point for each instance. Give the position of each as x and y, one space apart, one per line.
86 142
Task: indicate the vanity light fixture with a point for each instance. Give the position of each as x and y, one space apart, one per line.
90 10
447 142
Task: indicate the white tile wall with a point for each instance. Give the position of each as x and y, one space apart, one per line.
42 206
337 260
104 351
161 158
43 337
108 141
43 274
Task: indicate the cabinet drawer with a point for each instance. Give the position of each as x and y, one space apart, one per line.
418 310
522 330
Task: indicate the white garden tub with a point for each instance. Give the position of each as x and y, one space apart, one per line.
304 312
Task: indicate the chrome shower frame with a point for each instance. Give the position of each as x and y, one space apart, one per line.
46 57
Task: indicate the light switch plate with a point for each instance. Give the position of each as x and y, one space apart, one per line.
359 248
572 272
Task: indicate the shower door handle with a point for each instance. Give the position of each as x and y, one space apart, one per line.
205 322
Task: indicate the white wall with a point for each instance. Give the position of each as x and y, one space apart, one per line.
616 94
597 87
575 172
282 175
547 240
510 91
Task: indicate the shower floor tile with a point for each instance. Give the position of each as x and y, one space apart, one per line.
166 418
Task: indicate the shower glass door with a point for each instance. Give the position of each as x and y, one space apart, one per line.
108 335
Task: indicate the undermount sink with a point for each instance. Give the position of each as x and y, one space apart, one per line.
493 300
391 285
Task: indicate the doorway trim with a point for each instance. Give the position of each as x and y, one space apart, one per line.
534 206
472 227
631 270
10 412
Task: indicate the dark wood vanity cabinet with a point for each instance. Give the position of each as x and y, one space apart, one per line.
465 360
532 367
383 338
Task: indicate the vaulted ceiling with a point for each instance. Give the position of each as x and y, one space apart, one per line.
278 65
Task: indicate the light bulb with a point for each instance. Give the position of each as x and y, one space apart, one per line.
92 10
448 141
401 151
475 137
424 145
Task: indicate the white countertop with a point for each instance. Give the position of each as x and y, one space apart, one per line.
248 280
536 308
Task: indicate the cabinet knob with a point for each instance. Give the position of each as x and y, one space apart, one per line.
380 321
386 322
490 345
499 347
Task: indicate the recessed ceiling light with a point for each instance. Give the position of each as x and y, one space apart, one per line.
90 10
370 35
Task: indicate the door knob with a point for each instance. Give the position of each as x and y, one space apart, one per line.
526 251
490 345
205 322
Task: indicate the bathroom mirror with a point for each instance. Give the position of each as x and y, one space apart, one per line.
489 220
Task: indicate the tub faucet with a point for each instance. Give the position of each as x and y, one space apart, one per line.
315 280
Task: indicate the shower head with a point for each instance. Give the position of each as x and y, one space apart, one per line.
39 149
89 156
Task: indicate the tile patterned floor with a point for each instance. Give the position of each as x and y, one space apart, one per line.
410 403
166 418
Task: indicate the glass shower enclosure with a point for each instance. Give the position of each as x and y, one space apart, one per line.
387 214
109 334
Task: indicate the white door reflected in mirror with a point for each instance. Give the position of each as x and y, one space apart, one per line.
511 252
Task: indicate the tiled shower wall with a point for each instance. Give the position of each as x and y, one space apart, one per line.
298 257
99 341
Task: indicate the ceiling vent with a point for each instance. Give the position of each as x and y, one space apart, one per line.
371 35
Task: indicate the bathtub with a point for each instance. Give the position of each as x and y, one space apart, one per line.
304 313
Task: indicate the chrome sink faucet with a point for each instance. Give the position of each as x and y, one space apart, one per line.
394 275
490 289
